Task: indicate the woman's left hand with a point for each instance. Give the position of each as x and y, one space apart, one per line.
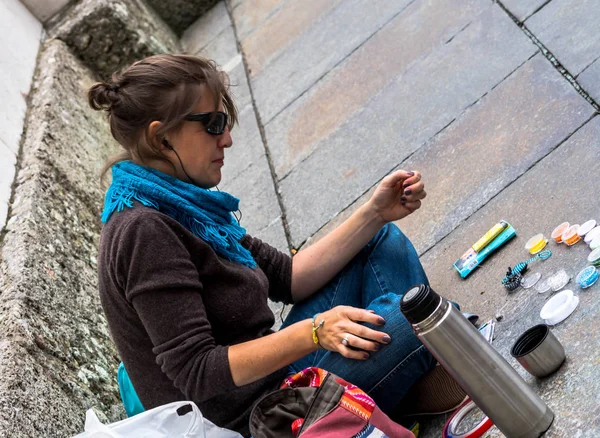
398 195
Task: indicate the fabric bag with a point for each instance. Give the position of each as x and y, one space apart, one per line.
179 419
315 403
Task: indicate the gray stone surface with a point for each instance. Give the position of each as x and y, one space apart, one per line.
498 139
180 14
56 358
569 29
222 49
206 28
259 205
249 15
302 127
288 23
541 200
321 47
247 146
108 35
394 123
239 84
589 79
523 9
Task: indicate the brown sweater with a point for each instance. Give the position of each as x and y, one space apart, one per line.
173 307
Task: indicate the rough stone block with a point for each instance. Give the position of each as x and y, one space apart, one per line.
108 35
536 204
290 21
56 358
206 28
295 133
569 29
589 79
327 42
397 121
523 9
180 14
18 51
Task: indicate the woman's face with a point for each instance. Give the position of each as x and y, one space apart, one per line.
202 154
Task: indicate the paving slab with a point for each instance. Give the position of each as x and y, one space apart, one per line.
569 29
523 9
249 15
327 42
487 148
292 19
259 205
206 28
589 79
396 122
247 146
222 49
239 83
295 133
539 201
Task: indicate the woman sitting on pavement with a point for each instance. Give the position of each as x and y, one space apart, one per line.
185 289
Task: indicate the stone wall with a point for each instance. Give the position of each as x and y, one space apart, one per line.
56 358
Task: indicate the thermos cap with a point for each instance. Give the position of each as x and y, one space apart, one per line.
419 303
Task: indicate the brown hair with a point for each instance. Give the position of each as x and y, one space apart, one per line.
161 87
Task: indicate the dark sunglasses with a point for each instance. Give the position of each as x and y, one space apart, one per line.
214 122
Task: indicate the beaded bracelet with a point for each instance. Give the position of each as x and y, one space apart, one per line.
315 328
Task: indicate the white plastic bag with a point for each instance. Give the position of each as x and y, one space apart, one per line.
160 422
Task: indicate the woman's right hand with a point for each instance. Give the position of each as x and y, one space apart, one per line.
342 321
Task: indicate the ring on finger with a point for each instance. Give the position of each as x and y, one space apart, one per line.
345 340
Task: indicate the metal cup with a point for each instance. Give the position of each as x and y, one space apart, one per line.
538 351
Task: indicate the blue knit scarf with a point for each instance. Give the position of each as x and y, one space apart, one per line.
207 214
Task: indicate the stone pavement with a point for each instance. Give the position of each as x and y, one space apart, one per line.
493 101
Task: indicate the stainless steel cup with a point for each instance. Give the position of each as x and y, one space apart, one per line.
538 351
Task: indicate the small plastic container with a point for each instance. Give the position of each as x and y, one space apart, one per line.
559 307
536 244
530 280
592 235
558 232
570 236
594 257
559 280
595 244
586 227
587 277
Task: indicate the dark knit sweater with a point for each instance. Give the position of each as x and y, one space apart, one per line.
173 307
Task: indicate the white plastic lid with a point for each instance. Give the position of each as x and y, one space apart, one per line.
586 227
591 235
559 307
594 255
595 244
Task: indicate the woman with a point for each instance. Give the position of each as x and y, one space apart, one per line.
185 289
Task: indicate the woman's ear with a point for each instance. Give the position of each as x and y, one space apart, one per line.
153 132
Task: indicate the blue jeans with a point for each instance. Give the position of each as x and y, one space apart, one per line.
376 278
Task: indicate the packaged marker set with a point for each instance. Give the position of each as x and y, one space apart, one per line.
497 236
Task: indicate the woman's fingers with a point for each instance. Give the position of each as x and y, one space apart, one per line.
362 344
362 315
411 180
412 206
353 354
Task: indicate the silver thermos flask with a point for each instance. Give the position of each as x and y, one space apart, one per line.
490 381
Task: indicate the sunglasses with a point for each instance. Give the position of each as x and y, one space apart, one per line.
214 122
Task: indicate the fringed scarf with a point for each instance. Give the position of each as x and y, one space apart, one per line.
207 214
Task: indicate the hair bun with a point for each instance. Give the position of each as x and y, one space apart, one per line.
102 96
